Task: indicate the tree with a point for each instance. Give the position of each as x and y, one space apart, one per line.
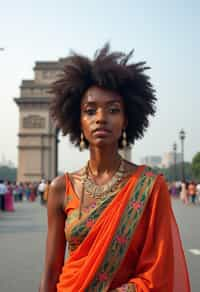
196 166
169 172
8 173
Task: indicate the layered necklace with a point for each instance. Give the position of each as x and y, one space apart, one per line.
100 192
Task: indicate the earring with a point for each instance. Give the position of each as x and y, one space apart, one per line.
124 139
82 143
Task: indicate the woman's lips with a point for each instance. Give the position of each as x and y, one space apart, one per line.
101 132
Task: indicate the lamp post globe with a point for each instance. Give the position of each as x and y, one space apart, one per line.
174 147
182 134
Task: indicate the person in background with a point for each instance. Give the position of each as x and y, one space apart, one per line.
173 190
3 190
9 200
184 193
41 190
198 192
33 192
178 188
20 191
27 190
15 188
192 191
46 192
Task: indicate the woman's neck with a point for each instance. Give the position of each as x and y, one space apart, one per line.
104 160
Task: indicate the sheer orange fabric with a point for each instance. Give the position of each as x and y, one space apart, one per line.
160 264
154 261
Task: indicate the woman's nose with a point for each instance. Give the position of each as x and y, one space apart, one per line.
101 116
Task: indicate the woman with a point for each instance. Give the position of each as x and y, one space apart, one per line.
20 191
183 193
32 195
9 201
116 216
192 192
174 190
27 191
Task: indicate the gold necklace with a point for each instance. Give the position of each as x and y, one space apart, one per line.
100 192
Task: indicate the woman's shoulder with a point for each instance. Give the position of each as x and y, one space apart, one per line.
75 177
145 170
77 174
58 184
61 183
56 193
130 167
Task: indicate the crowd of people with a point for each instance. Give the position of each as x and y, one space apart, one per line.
187 191
18 192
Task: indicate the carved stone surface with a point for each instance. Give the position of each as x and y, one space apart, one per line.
33 122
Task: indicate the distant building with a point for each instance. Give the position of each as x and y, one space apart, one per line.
169 159
152 161
5 162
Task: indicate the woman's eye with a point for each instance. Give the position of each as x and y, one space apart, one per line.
114 110
90 111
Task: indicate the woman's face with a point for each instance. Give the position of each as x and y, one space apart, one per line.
102 116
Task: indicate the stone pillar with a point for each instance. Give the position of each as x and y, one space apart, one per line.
36 157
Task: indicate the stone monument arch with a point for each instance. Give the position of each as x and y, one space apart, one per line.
37 147
38 138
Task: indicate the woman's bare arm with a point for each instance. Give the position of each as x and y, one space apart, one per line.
56 242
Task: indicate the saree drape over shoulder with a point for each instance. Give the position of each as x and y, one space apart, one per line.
131 237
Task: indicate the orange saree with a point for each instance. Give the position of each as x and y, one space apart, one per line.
129 238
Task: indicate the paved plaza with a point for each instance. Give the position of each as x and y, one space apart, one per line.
22 244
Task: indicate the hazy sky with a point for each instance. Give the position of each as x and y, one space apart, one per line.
164 33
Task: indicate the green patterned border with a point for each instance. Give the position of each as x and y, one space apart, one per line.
80 231
123 234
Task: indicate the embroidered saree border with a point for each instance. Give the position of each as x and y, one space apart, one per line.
123 234
81 230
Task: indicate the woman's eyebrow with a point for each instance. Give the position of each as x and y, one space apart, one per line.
113 101
107 102
89 103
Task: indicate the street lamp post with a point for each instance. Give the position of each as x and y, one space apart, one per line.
174 149
182 138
